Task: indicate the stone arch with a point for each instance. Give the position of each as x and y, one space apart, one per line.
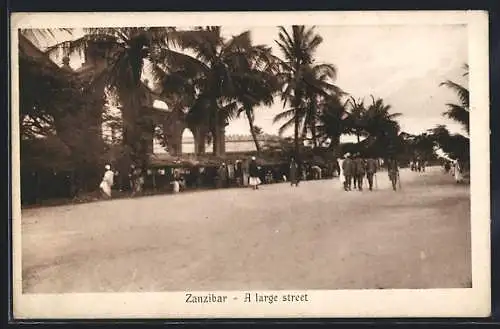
188 141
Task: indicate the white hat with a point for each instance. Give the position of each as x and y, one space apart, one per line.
107 167
253 158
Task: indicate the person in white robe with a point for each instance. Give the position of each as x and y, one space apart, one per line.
458 172
107 181
341 170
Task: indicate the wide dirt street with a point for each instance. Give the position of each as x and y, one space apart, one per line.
315 236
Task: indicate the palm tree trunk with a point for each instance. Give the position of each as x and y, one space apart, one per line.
314 137
296 118
303 134
199 140
216 130
335 145
252 129
296 134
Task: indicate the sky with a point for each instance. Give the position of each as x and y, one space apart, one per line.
403 64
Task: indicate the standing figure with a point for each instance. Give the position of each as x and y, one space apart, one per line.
238 173
458 172
447 167
253 171
316 172
223 175
107 182
138 181
371 170
131 178
294 172
348 169
393 171
341 170
359 172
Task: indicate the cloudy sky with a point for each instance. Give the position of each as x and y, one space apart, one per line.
403 64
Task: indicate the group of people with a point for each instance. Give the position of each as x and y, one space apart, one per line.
455 168
418 164
354 168
136 181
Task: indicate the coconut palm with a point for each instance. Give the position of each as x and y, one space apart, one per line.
319 92
125 52
379 120
303 82
332 122
381 126
210 67
459 112
356 119
256 84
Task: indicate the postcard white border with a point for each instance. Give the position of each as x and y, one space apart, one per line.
473 302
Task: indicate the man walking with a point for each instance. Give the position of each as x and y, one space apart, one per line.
254 180
393 171
294 172
359 172
347 169
371 170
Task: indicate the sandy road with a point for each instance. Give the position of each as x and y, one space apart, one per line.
315 236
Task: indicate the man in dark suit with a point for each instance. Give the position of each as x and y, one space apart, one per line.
348 169
393 171
371 170
359 172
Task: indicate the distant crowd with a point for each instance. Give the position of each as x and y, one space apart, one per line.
352 170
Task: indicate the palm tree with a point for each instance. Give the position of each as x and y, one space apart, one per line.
125 51
459 112
211 73
356 119
381 125
303 82
332 122
256 84
318 92
43 36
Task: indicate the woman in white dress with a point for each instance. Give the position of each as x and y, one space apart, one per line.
107 181
254 179
341 170
458 172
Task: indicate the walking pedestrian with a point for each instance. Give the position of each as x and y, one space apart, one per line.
347 169
138 181
131 177
294 172
340 170
393 171
371 170
107 182
458 172
359 172
254 180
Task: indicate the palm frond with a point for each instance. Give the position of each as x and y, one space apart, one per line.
290 113
240 42
461 91
459 114
287 125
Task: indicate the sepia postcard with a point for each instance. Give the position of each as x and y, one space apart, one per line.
250 165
